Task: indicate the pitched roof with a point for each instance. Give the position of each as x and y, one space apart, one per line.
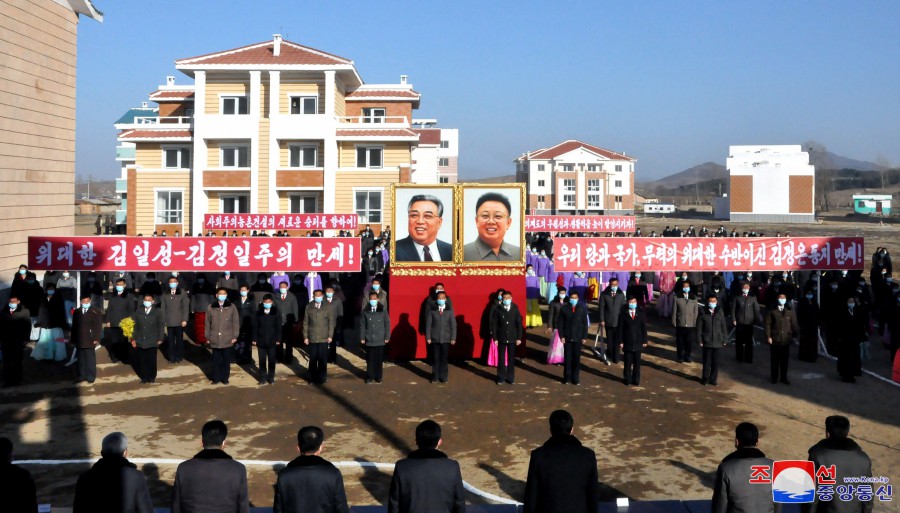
428 135
155 134
128 117
570 145
172 96
369 94
403 132
262 54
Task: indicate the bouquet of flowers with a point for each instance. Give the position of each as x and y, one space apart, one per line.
127 326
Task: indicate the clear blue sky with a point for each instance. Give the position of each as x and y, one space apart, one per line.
671 83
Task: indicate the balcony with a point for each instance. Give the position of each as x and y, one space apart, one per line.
125 153
122 183
372 122
180 121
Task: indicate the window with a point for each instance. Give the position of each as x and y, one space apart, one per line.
593 201
373 115
594 167
369 157
568 167
618 168
540 167
569 185
593 185
444 179
169 207
568 200
443 162
542 183
235 204
304 105
303 156
235 156
445 144
177 158
618 183
368 206
541 198
301 204
232 105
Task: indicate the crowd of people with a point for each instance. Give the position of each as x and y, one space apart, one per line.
562 477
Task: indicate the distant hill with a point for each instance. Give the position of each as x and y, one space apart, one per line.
699 173
828 160
97 189
494 179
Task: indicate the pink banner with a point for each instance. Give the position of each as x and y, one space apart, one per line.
329 254
566 223
280 221
707 254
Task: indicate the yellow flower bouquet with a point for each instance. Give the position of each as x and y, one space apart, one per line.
127 326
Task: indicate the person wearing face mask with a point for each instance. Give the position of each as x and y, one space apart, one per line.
30 295
121 305
337 338
431 302
378 289
175 307
684 319
19 281
533 318
312 282
632 340
151 286
781 330
298 289
262 284
317 332
87 331
745 312
375 334
67 287
51 322
229 282
289 308
15 321
266 334
202 294
440 334
853 330
507 333
573 321
90 286
712 332
809 319
611 303
637 288
278 278
247 306
578 282
372 262
223 327
148 335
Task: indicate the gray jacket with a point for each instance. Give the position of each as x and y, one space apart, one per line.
288 307
684 314
849 460
374 327
319 323
222 325
611 307
733 492
712 330
175 307
440 328
745 310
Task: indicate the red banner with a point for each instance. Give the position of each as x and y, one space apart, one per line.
280 221
708 254
327 254
566 223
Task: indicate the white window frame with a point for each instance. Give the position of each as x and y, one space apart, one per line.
167 190
542 183
303 97
180 150
568 203
593 200
540 167
371 117
235 196
617 183
594 188
365 220
237 157
442 162
300 197
237 107
301 148
568 167
618 168
369 148
566 187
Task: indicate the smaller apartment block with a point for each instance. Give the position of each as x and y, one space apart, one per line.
771 184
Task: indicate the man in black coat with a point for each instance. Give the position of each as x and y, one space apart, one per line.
113 484
508 333
632 340
16 484
427 481
733 492
837 451
15 325
266 334
309 483
87 332
211 481
121 305
712 330
853 330
374 333
440 334
573 322
562 474
744 314
554 307
247 306
610 304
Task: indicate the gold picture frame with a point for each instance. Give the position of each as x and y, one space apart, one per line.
407 256
467 232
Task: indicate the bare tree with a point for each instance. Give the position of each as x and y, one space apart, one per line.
884 169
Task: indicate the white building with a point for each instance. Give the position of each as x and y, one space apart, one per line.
436 158
771 184
577 178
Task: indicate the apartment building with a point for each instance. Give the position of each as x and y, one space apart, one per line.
577 178
38 62
273 127
436 158
771 184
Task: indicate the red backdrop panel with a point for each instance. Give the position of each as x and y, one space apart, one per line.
470 296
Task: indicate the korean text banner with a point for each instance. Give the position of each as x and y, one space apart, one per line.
579 223
331 254
707 254
280 221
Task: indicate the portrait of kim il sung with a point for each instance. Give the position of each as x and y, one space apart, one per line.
424 224
493 224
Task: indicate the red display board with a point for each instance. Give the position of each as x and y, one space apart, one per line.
280 221
708 254
565 223
294 254
471 296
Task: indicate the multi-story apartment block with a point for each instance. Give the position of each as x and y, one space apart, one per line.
771 184
273 127
577 178
436 158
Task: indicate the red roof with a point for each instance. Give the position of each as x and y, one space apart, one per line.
383 93
429 135
376 133
567 146
262 54
155 134
171 95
